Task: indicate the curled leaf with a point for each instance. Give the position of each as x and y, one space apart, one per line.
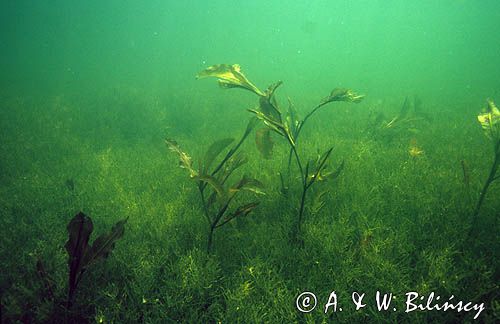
342 94
249 184
230 76
490 120
185 161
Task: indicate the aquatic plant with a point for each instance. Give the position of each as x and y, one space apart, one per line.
216 196
81 254
490 122
286 125
406 121
414 150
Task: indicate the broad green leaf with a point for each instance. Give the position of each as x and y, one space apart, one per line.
214 183
264 142
104 244
234 163
185 161
230 76
213 151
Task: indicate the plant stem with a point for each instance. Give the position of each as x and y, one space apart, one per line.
210 239
301 210
205 208
489 181
304 190
297 133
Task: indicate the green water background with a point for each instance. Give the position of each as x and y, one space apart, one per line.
90 89
442 50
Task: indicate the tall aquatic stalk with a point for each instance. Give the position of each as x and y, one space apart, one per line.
491 178
216 197
490 122
286 126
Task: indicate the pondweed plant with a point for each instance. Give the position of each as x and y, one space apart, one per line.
286 125
490 122
405 122
81 256
216 196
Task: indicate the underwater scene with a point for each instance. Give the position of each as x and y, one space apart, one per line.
258 161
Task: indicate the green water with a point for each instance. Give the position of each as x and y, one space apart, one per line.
90 90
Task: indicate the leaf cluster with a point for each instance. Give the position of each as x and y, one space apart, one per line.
216 193
81 253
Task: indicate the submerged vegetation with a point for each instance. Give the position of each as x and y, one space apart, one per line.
81 256
490 122
217 201
393 219
287 126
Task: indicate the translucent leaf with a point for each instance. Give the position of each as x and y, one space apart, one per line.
214 183
234 163
264 142
230 76
213 151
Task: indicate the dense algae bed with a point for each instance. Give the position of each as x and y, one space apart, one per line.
391 221
392 208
